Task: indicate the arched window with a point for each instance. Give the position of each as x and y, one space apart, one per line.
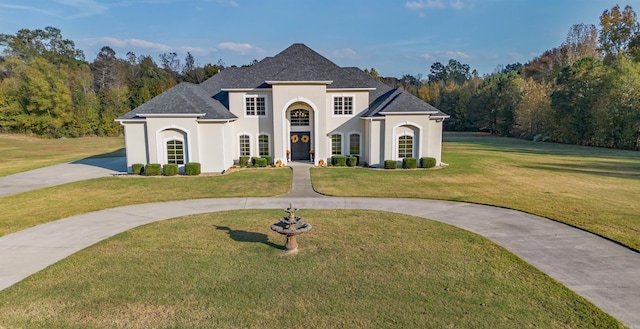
245 145
175 152
354 144
263 145
299 117
336 144
405 146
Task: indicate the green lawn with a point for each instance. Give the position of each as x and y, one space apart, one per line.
22 153
355 269
592 188
19 211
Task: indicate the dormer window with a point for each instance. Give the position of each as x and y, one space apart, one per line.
255 106
343 105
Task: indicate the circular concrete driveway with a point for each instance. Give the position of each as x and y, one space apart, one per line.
602 271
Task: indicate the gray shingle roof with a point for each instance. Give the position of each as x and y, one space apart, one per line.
296 63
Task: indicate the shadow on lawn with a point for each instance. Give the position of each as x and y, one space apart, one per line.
244 236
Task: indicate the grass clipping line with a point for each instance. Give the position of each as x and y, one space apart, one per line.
355 269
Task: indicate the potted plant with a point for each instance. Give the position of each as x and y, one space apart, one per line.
311 154
288 155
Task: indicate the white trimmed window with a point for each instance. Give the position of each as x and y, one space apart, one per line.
354 144
405 146
263 145
343 105
175 152
299 117
255 106
336 144
245 145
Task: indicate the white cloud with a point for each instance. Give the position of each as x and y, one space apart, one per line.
138 43
344 53
84 8
445 55
230 3
195 50
240 48
422 5
29 8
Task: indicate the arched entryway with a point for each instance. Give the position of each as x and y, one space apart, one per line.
300 122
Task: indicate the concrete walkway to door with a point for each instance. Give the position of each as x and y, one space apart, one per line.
600 270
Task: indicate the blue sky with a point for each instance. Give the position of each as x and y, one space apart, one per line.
395 37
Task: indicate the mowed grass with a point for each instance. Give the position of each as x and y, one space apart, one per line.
21 152
355 269
28 209
591 188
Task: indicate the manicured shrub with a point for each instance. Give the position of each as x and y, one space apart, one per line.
153 169
192 169
357 158
244 161
260 162
269 159
409 163
339 160
137 168
390 164
170 169
427 162
352 161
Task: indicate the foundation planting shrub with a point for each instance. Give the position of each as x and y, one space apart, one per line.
260 162
352 161
339 160
269 159
137 168
153 169
192 169
390 164
170 169
409 163
244 161
427 162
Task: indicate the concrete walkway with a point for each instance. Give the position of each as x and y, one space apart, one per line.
604 272
61 174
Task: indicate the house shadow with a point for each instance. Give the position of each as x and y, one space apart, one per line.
245 236
115 161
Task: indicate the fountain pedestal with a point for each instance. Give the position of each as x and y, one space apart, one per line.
291 226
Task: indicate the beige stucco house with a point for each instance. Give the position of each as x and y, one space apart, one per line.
294 102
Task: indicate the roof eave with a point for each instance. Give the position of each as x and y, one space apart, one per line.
171 115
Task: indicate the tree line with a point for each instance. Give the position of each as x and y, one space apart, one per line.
47 88
585 91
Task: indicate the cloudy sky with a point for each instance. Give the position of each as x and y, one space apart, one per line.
396 37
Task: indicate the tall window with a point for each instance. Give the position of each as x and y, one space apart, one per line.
336 144
354 144
255 106
405 147
299 117
245 148
263 145
343 105
175 152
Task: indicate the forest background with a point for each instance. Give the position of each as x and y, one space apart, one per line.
585 91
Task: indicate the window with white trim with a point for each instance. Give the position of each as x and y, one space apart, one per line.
405 146
263 145
354 144
336 144
245 145
255 106
175 152
343 105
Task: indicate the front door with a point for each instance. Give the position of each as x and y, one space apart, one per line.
300 145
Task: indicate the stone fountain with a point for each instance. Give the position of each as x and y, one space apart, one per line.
291 226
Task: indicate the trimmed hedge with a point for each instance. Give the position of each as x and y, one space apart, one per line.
269 159
170 169
427 162
352 161
357 158
192 169
339 160
409 163
260 162
244 161
153 169
137 168
390 164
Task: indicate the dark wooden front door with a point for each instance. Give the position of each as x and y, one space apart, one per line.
300 145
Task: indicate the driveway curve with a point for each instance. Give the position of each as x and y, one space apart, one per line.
600 270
